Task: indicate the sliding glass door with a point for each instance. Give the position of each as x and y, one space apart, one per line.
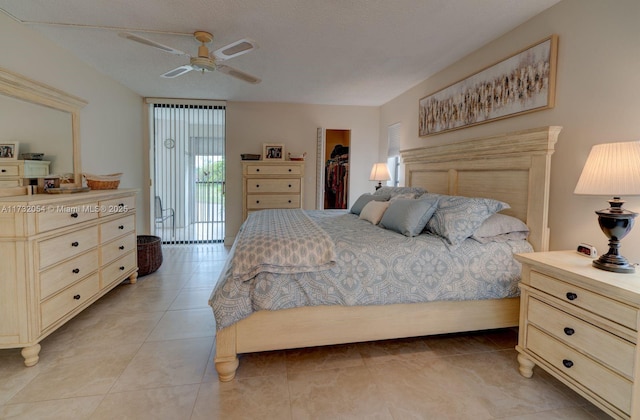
188 171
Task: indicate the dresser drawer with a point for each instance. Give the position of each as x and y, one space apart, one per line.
587 338
118 227
117 269
598 304
62 275
69 299
280 169
117 248
256 202
65 246
58 216
9 170
273 185
117 205
600 380
10 182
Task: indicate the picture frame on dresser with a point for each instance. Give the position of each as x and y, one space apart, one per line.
273 151
9 150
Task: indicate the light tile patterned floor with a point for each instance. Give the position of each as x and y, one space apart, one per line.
144 351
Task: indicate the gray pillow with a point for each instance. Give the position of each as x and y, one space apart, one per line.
393 191
364 199
409 216
457 218
500 224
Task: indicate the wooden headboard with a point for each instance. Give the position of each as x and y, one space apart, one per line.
513 167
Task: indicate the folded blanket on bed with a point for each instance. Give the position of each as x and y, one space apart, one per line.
281 241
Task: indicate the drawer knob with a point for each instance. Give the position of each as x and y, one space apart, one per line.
74 215
257 185
121 227
121 247
567 363
75 270
289 201
289 169
74 244
4 170
289 185
257 169
572 296
257 201
569 331
122 267
121 205
77 297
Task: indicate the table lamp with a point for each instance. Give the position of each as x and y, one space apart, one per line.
379 173
613 169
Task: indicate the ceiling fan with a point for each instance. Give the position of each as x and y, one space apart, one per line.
204 61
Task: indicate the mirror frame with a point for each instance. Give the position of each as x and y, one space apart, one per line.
23 88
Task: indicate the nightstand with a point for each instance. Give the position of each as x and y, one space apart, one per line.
580 324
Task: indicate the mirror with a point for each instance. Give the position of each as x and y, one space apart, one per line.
43 120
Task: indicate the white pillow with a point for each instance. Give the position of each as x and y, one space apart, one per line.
373 211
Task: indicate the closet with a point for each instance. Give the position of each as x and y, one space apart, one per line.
336 169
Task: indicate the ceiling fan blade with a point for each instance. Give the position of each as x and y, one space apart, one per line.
179 71
148 42
237 74
235 49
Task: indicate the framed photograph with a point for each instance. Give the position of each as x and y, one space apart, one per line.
9 150
273 151
524 82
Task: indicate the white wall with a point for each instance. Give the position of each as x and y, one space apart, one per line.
250 124
597 101
111 125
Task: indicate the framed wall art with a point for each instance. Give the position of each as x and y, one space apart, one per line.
524 82
273 151
9 150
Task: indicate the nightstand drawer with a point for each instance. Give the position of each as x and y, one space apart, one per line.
600 305
255 202
60 276
587 338
66 301
610 386
273 185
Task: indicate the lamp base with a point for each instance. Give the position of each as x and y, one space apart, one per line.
616 223
379 185
615 263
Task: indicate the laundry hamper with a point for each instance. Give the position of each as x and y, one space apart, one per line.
149 254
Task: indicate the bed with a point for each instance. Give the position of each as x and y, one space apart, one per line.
513 168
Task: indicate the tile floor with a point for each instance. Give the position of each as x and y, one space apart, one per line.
144 351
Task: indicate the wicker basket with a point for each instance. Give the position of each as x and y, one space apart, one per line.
149 254
103 182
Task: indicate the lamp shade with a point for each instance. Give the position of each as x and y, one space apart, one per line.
379 172
611 169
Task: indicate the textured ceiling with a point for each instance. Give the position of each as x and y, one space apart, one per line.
341 52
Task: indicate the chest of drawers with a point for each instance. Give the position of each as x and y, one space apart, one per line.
60 254
272 185
581 324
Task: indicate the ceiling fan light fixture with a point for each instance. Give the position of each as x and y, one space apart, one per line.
203 63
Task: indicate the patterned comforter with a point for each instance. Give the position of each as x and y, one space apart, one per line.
374 266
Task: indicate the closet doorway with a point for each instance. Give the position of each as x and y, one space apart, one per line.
336 169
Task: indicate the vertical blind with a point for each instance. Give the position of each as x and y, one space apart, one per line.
188 174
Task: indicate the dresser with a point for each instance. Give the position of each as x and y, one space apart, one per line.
60 253
271 185
13 172
580 324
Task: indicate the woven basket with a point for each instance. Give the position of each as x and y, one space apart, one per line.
103 182
149 254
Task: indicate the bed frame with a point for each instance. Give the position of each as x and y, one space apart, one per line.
513 167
